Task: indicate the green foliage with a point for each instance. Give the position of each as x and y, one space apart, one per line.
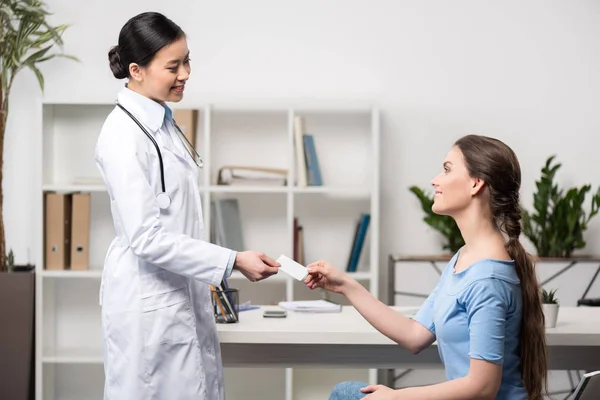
10 260
557 225
549 297
444 224
25 41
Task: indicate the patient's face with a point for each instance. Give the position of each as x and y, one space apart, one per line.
453 186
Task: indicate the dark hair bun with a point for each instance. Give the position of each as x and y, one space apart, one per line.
116 66
139 41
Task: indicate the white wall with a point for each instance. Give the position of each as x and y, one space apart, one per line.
525 72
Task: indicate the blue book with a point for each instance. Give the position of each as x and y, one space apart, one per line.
359 240
312 161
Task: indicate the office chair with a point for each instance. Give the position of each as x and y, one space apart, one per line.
589 302
588 387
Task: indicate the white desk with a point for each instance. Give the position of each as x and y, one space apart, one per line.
346 339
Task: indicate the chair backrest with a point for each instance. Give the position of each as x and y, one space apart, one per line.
588 387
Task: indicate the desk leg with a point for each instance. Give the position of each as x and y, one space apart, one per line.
589 286
386 376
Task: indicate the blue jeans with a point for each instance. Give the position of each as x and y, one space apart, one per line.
348 391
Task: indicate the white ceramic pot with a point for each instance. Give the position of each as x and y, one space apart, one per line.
550 314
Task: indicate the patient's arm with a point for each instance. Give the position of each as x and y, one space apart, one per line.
406 332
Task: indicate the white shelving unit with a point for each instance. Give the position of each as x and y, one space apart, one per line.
69 348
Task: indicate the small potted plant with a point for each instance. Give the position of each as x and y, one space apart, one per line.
12 267
550 305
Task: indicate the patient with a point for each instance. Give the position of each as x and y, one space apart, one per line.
485 312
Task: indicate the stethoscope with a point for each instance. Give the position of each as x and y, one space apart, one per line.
163 198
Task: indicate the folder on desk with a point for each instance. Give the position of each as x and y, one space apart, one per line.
311 306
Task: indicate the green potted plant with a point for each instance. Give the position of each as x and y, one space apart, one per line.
12 267
444 224
26 40
550 305
558 222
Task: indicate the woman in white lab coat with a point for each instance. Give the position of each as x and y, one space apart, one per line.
160 339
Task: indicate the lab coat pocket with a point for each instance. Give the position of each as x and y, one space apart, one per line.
168 318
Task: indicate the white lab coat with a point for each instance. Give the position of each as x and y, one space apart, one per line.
160 338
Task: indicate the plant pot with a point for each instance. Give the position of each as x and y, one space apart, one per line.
17 316
23 268
550 314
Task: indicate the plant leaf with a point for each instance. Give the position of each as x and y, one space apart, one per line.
38 75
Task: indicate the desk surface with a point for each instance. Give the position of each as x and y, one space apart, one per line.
576 326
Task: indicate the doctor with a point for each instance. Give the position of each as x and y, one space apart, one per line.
160 339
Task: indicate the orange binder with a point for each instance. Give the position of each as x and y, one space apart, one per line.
186 120
80 231
57 230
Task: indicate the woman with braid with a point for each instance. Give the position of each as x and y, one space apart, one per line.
485 312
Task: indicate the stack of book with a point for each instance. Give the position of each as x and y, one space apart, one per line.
251 176
311 306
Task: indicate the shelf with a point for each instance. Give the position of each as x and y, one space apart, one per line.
68 188
72 356
90 274
248 189
255 105
337 191
342 191
253 133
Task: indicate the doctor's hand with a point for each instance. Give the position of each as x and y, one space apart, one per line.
379 392
255 265
322 274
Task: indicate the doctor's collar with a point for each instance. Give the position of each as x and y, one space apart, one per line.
148 111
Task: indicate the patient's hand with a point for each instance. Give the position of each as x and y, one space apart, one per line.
379 392
322 274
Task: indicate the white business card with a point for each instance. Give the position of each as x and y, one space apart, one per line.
292 268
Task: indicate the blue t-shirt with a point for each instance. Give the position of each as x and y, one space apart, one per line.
476 313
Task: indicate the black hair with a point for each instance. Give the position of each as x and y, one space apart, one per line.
139 41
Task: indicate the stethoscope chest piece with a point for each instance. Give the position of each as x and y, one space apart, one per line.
163 199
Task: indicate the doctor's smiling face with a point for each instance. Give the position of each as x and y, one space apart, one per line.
165 77
453 186
154 55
